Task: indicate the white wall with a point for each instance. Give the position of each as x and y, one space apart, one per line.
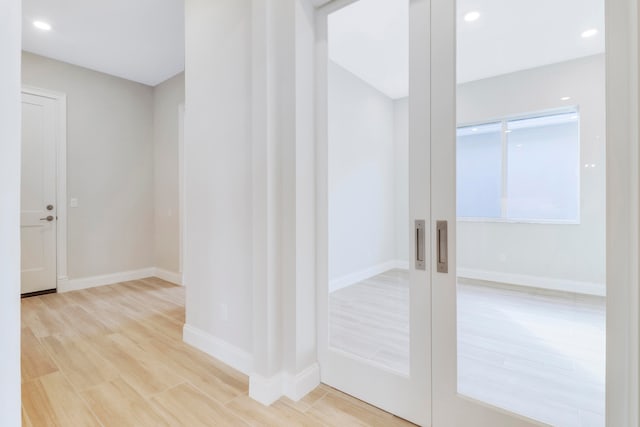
401 154
362 216
10 41
250 191
167 96
109 166
218 211
569 253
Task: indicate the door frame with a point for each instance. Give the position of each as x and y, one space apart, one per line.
61 177
181 191
623 213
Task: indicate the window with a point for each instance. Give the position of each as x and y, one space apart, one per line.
524 169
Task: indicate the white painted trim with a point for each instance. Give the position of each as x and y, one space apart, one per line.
294 386
61 175
402 264
106 279
169 276
622 233
181 188
231 355
265 390
359 276
541 282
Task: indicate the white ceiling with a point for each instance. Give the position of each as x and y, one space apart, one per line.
370 38
143 40
139 40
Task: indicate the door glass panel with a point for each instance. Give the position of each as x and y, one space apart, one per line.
368 192
479 166
531 208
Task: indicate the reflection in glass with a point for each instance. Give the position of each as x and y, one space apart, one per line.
530 248
368 190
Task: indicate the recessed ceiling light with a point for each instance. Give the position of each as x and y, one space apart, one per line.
565 98
474 129
471 16
41 25
589 33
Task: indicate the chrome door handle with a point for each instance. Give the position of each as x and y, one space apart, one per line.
48 218
442 247
420 261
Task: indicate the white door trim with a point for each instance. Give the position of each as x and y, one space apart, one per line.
181 188
623 184
61 177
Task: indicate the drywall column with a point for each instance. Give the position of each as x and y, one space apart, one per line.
10 43
218 180
284 208
302 364
265 381
249 260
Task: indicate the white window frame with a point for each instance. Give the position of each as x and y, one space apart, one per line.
504 144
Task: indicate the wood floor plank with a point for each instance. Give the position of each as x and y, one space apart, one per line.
278 414
141 373
338 409
34 361
50 400
117 359
82 365
304 404
200 370
26 421
117 404
186 406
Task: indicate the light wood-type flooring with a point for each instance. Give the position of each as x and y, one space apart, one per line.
540 354
114 356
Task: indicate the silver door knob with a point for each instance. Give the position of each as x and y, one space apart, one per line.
49 207
49 218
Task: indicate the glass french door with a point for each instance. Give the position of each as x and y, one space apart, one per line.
518 156
463 215
373 271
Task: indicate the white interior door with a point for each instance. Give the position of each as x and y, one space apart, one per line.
519 318
374 299
38 193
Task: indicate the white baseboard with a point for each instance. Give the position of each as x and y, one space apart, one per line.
293 386
66 285
265 390
359 276
402 265
169 276
231 355
540 282
107 279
